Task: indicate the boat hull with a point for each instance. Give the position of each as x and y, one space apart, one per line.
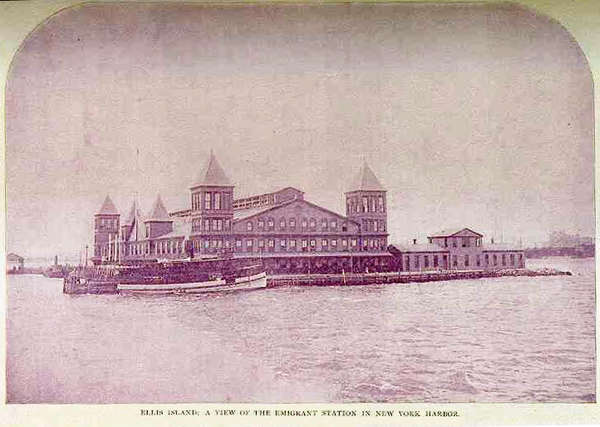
256 281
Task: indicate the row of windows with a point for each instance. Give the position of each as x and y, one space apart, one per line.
373 225
494 260
268 223
455 242
211 200
367 204
109 223
210 224
307 244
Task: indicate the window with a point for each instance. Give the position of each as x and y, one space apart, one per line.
512 259
445 242
206 243
238 243
270 223
373 208
464 242
454 242
353 242
426 261
304 243
435 261
249 244
218 201
313 243
455 260
215 224
261 224
282 224
375 224
466 260
226 201
365 204
261 243
282 243
227 224
292 223
495 259
344 242
206 225
334 243
293 243
333 224
382 226
249 226
416 261
206 200
503 259
313 223
271 243
478 260
324 243
380 202
344 226
324 224
304 223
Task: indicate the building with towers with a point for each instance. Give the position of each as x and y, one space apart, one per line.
281 229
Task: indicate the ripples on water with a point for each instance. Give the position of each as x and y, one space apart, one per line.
494 340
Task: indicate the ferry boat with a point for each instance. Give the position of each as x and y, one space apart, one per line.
167 277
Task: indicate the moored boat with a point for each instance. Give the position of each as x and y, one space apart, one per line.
255 281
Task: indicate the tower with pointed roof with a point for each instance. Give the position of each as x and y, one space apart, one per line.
158 222
106 230
366 204
212 209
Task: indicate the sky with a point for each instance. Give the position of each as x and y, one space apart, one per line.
469 114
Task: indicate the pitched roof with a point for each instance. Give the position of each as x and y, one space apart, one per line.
213 174
108 207
501 247
452 231
366 180
14 257
242 214
158 212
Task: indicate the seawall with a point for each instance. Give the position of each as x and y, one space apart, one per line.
413 277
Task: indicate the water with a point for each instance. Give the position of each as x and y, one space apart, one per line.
492 340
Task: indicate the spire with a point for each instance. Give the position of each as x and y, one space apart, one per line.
134 213
366 180
213 174
108 207
158 212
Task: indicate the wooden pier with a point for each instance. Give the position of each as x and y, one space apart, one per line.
356 279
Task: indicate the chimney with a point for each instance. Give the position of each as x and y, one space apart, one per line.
414 241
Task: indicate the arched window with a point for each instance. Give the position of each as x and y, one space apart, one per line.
249 226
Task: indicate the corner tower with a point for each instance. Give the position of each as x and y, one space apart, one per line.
366 204
106 230
212 209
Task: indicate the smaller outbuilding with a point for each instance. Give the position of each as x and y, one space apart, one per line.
457 249
14 263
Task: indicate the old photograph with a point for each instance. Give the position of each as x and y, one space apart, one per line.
300 203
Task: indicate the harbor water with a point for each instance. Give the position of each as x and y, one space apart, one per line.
507 339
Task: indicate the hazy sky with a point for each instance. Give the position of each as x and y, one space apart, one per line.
470 115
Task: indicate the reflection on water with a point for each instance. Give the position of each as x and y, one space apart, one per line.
513 339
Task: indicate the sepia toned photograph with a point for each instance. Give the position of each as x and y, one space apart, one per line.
300 203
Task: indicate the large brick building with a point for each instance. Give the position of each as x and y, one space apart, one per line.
281 229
